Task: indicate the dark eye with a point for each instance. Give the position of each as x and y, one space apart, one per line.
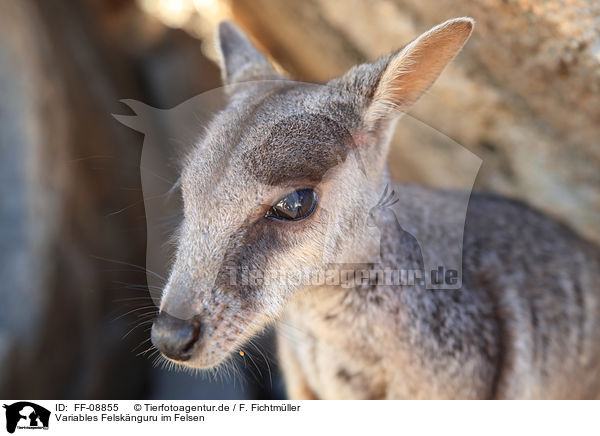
295 206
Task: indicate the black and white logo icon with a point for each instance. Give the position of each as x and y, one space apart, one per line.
26 415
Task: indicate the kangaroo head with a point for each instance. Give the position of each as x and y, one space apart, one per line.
285 170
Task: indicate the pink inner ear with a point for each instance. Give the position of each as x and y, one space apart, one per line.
415 68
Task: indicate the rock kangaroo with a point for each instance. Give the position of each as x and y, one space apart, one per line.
282 162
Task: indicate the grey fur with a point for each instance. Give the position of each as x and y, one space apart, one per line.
525 324
239 59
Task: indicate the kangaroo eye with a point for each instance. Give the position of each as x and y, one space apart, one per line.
295 206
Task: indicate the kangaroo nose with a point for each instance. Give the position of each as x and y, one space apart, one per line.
175 337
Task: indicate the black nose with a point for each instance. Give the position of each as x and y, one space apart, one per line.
175 337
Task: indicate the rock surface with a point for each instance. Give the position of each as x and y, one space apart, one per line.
60 172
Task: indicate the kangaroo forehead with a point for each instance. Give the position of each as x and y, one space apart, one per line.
302 146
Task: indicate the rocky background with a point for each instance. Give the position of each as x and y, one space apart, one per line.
524 96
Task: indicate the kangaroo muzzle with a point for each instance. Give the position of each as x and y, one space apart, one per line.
175 338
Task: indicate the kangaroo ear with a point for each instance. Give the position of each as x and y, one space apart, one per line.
413 69
240 60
